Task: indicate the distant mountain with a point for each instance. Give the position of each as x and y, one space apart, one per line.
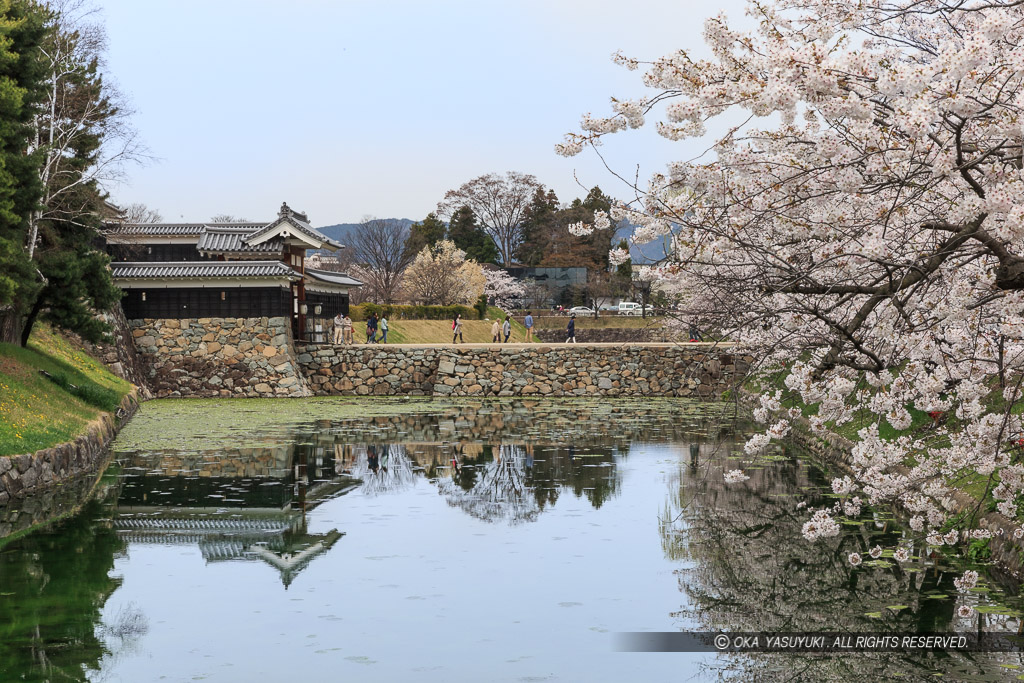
646 253
642 253
342 232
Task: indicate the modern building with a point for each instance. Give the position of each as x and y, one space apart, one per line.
554 285
226 270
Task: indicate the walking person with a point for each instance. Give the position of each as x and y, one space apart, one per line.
495 331
571 329
528 321
383 329
371 329
457 328
339 329
506 327
346 330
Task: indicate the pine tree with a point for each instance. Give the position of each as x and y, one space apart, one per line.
426 233
21 86
538 227
81 133
470 237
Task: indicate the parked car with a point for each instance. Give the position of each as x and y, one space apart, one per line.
581 310
630 308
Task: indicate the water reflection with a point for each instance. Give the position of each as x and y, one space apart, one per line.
746 568
240 504
381 512
50 606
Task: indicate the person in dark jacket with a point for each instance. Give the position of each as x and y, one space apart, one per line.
371 329
571 329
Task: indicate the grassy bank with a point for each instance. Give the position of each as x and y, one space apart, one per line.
440 331
37 411
479 331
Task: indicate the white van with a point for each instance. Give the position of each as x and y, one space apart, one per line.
630 308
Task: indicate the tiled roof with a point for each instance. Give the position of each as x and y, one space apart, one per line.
245 232
200 270
218 240
334 278
301 225
162 229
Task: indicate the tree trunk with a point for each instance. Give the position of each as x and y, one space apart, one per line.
30 321
10 325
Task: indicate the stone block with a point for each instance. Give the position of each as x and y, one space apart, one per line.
446 367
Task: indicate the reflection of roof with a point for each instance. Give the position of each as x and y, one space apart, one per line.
333 278
144 270
297 554
281 541
232 241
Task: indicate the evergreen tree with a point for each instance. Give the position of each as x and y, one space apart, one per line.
67 226
470 237
538 227
426 233
590 251
21 86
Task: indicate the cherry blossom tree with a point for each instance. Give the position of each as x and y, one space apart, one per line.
442 275
503 290
866 220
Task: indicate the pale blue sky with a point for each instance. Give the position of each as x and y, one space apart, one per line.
347 109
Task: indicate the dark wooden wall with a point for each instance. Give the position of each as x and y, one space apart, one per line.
207 302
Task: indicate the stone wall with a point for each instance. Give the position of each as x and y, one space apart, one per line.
29 473
120 356
218 357
696 370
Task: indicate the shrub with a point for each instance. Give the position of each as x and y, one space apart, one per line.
481 307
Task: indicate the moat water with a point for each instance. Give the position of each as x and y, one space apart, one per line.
328 539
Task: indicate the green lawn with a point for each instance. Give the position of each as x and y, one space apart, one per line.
38 412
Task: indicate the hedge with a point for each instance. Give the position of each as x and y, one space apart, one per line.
394 312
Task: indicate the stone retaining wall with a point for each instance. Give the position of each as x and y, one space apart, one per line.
696 370
29 473
120 356
218 357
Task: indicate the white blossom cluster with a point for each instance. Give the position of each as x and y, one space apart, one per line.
735 477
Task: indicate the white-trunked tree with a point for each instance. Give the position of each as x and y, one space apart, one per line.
865 226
